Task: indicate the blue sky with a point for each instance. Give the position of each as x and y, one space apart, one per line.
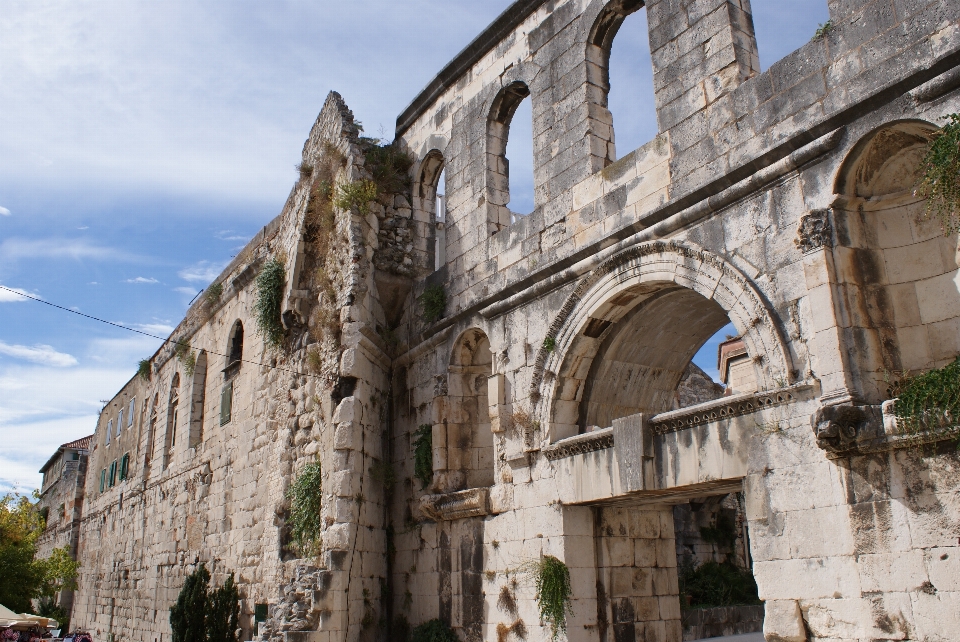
142 144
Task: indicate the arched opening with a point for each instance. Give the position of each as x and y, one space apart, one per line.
431 193
197 399
235 346
502 127
643 356
625 116
173 413
465 436
899 271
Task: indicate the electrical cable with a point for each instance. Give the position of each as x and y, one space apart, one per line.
146 334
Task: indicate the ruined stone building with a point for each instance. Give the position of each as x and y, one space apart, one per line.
61 502
544 358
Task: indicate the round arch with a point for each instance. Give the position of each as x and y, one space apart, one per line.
658 285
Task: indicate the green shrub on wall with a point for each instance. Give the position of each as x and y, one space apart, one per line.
551 578
940 176
423 454
143 369
305 495
433 301
267 308
716 584
931 399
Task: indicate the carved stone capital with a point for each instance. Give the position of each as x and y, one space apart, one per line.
815 231
474 502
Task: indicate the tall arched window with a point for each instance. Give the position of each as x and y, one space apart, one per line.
197 398
431 191
235 346
499 185
618 51
173 410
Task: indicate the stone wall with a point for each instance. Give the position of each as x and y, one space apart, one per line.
551 384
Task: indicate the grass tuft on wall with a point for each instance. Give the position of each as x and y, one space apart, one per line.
423 454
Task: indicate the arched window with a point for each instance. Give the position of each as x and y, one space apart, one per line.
499 183
620 67
173 409
197 399
235 346
431 192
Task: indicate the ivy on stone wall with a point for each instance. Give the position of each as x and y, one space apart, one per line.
551 578
434 302
423 454
305 495
267 308
940 176
928 400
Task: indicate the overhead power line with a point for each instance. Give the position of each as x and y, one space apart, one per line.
146 334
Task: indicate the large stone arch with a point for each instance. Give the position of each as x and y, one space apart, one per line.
674 274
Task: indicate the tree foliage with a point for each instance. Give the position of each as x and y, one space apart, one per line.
27 577
202 614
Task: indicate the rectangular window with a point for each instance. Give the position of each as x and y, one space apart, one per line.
132 406
109 431
260 613
103 479
226 404
113 473
119 422
124 465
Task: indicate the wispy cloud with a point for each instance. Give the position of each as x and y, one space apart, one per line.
15 249
141 279
202 272
6 296
191 292
43 354
230 235
4 211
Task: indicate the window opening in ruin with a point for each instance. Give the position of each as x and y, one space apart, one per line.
198 399
509 175
468 454
621 45
432 202
173 408
440 220
783 26
234 349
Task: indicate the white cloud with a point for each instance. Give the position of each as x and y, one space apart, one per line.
191 292
202 272
29 445
141 279
4 211
6 296
15 249
42 354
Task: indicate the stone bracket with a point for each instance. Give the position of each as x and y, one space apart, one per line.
474 502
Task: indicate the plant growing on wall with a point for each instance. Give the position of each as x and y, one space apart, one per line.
143 369
423 454
267 308
716 584
214 292
357 194
940 176
433 301
305 495
551 578
388 164
931 398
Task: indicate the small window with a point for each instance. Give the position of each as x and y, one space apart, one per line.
103 479
75 456
260 613
113 473
124 466
109 431
119 422
226 404
235 351
132 406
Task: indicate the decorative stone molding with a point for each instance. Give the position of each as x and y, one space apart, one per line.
815 231
837 428
725 408
580 444
474 502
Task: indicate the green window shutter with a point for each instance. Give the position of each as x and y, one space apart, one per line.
124 464
226 404
103 479
113 473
